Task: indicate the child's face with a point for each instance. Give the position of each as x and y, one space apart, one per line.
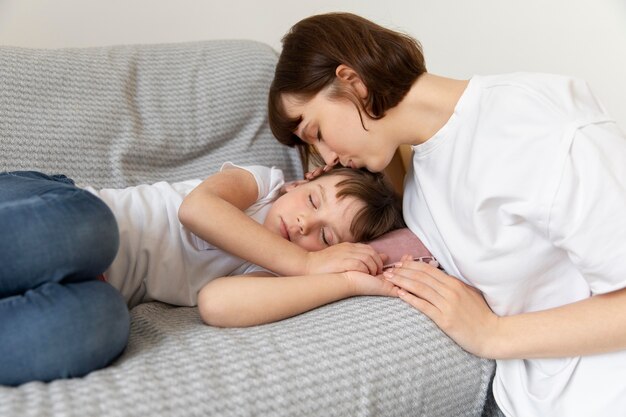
312 217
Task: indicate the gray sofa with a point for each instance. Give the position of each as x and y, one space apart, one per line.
122 115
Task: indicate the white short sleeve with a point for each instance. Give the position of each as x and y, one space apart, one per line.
587 218
269 180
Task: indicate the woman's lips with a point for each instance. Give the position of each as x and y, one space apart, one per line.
283 230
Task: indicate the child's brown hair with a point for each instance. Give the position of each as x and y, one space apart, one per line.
382 211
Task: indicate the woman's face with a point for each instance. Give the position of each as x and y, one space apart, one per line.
334 127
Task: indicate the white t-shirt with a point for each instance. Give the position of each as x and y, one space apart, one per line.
158 258
522 195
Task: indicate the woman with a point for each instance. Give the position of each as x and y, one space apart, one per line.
517 186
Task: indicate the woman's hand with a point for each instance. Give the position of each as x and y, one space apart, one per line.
317 172
345 257
288 186
458 309
366 284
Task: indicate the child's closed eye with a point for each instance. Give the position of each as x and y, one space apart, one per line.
325 237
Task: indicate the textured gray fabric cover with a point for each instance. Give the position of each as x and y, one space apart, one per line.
127 115
368 356
123 115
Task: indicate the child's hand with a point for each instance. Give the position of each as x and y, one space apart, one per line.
345 257
365 284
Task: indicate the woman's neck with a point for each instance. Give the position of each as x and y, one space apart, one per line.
425 109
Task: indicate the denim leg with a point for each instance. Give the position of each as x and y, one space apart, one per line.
61 331
56 320
51 231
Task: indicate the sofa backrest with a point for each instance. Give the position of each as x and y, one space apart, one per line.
123 115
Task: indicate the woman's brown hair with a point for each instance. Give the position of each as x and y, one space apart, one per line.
387 62
382 211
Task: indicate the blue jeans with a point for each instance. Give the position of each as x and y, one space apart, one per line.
56 319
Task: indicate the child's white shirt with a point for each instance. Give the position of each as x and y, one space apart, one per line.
158 258
522 195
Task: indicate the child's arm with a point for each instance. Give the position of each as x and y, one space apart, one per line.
214 211
248 300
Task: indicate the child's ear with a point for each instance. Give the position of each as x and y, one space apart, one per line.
349 76
292 185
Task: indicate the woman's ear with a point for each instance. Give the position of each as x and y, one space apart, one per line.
347 75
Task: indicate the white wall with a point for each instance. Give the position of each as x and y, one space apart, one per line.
584 38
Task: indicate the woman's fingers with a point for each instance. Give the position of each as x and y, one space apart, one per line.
420 304
317 172
406 258
288 186
457 308
418 283
314 174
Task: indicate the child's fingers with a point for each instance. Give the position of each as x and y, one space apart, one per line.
369 256
372 263
384 258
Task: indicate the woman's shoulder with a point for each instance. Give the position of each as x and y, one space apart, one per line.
531 80
562 94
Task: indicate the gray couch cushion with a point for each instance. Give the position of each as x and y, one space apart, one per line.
125 115
367 356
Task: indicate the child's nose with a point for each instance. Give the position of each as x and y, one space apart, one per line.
302 223
306 223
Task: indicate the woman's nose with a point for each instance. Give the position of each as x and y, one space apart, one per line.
330 157
332 160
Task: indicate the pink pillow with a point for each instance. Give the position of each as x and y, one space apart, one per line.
400 242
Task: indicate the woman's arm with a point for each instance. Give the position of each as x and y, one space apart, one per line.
585 221
594 325
248 300
214 211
